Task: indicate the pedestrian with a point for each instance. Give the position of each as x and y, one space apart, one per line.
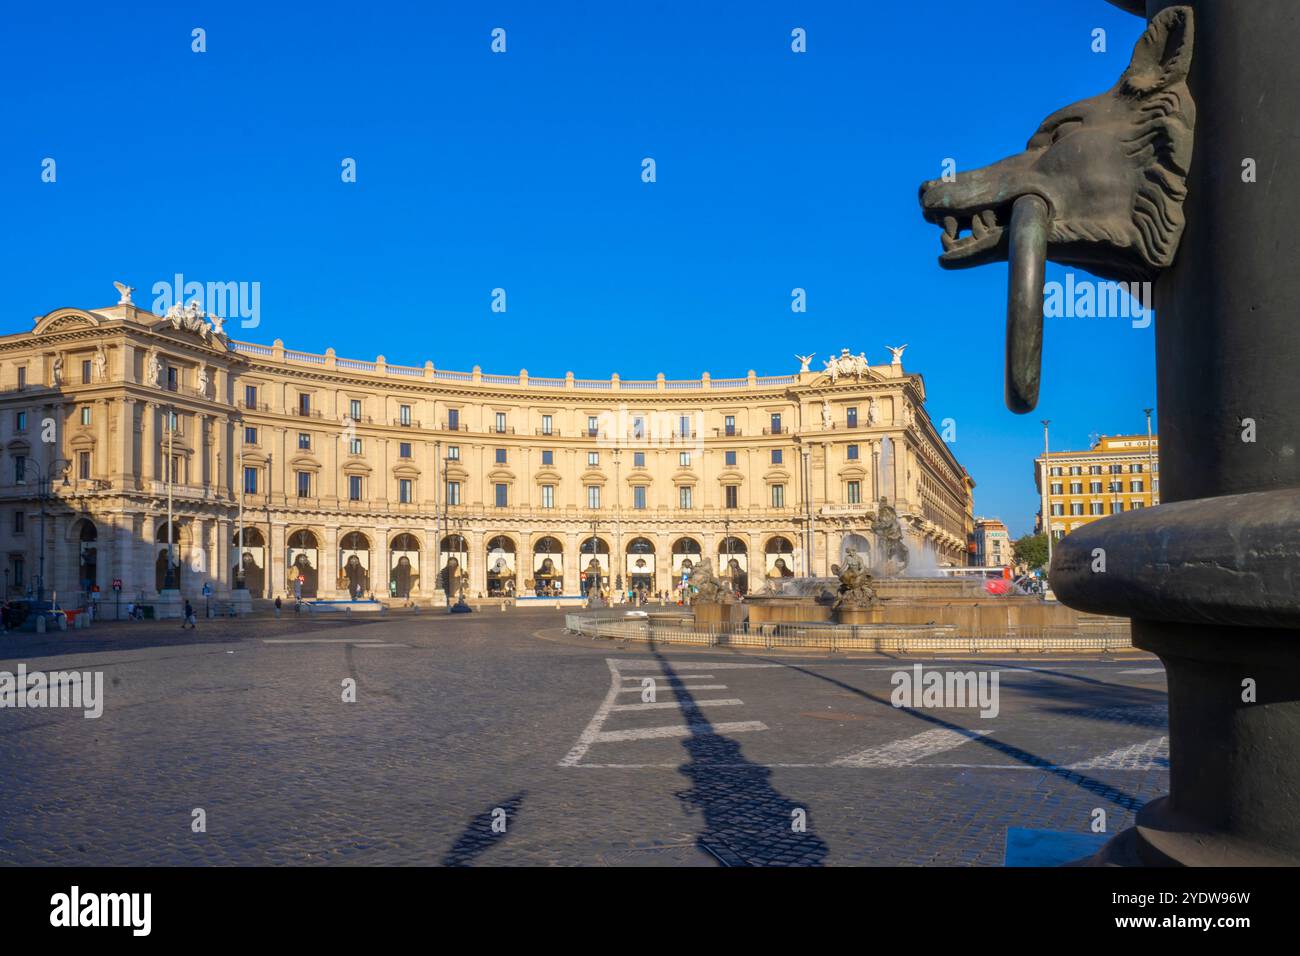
190 620
277 607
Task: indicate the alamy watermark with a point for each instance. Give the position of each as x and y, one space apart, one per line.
919 688
37 690
228 300
1086 298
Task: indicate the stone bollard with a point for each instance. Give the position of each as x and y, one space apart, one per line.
40 623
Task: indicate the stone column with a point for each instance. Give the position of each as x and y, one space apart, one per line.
149 445
329 563
224 572
477 563
101 464
127 472
275 559
572 559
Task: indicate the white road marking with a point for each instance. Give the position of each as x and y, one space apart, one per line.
325 640
905 752
674 687
678 730
588 736
681 704
1145 670
1143 756
675 677
711 665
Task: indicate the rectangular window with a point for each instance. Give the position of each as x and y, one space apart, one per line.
355 446
354 409
20 468
1136 505
776 456
501 422
173 379
684 459
250 435
18 572
638 427
453 492
304 403
853 493
546 424
304 441
85 414
250 481
355 487
1058 510
304 484
500 456
729 457
684 426
548 457
22 376
404 415
1076 508
85 371
250 396
732 495
593 426
1094 487
1116 507
778 496
638 459
593 459
684 497
729 423
453 419
1096 508
1135 485
404 449
1076 469
548 496
18 522
83 465
776 424
593 496
1076 487
404 490
853 453
20 422
1137 469
638 497
453 453
501 495
851 416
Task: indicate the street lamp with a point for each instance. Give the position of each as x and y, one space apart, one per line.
1047 501
45 491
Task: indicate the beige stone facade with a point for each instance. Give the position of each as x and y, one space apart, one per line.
360 475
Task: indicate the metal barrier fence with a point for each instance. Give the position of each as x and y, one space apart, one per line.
884 638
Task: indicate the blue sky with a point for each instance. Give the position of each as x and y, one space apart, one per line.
523 171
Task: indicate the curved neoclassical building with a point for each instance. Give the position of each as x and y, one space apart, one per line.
356 476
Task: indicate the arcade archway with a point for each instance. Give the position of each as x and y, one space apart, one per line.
252 556
354 565
501 567
403 565
302 576
548 567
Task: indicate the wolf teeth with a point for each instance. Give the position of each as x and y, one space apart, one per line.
950 226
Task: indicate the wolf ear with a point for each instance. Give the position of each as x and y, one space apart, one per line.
1163 56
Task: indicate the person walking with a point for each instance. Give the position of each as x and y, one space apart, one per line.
190 620
277 607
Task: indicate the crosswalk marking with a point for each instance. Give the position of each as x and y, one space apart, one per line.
680 704
674 687
678 730
905 752
1141 756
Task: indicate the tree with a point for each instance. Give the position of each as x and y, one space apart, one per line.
1031 551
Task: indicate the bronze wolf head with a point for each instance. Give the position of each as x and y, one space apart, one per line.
1100 185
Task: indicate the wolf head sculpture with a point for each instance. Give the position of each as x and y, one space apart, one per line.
1101 183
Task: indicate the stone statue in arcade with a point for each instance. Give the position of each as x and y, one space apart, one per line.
855 581
708 587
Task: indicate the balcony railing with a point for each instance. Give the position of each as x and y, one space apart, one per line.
409 423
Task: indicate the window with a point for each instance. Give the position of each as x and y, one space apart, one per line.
546 424
1094 487
729 457
20 468
684 459
729 424
404 449
501 422
173 421
776 456
776 424
853 493
20 422
85 371
684 497
1136 485
638 459
250 435
453 453
304 403
1137 469
83 465
638 497
174 470
354 409
354 446
250 396
1116 507
1096 508
851 416
778 496
304 441
1056 472
593 496
548 457
593 459
173 378
1117 469
593 426
453 492
638 427
853 453
732 495
548 496
500 456
19 517
501 495
22 376
1058 510
250 481
404 491
18 572
1136 505
684 426
304 484
1094 469
1076 487
453 419
85 414
404 415
1116 486
1076 508
1076 469
356 485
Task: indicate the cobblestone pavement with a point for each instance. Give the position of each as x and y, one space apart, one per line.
463 720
